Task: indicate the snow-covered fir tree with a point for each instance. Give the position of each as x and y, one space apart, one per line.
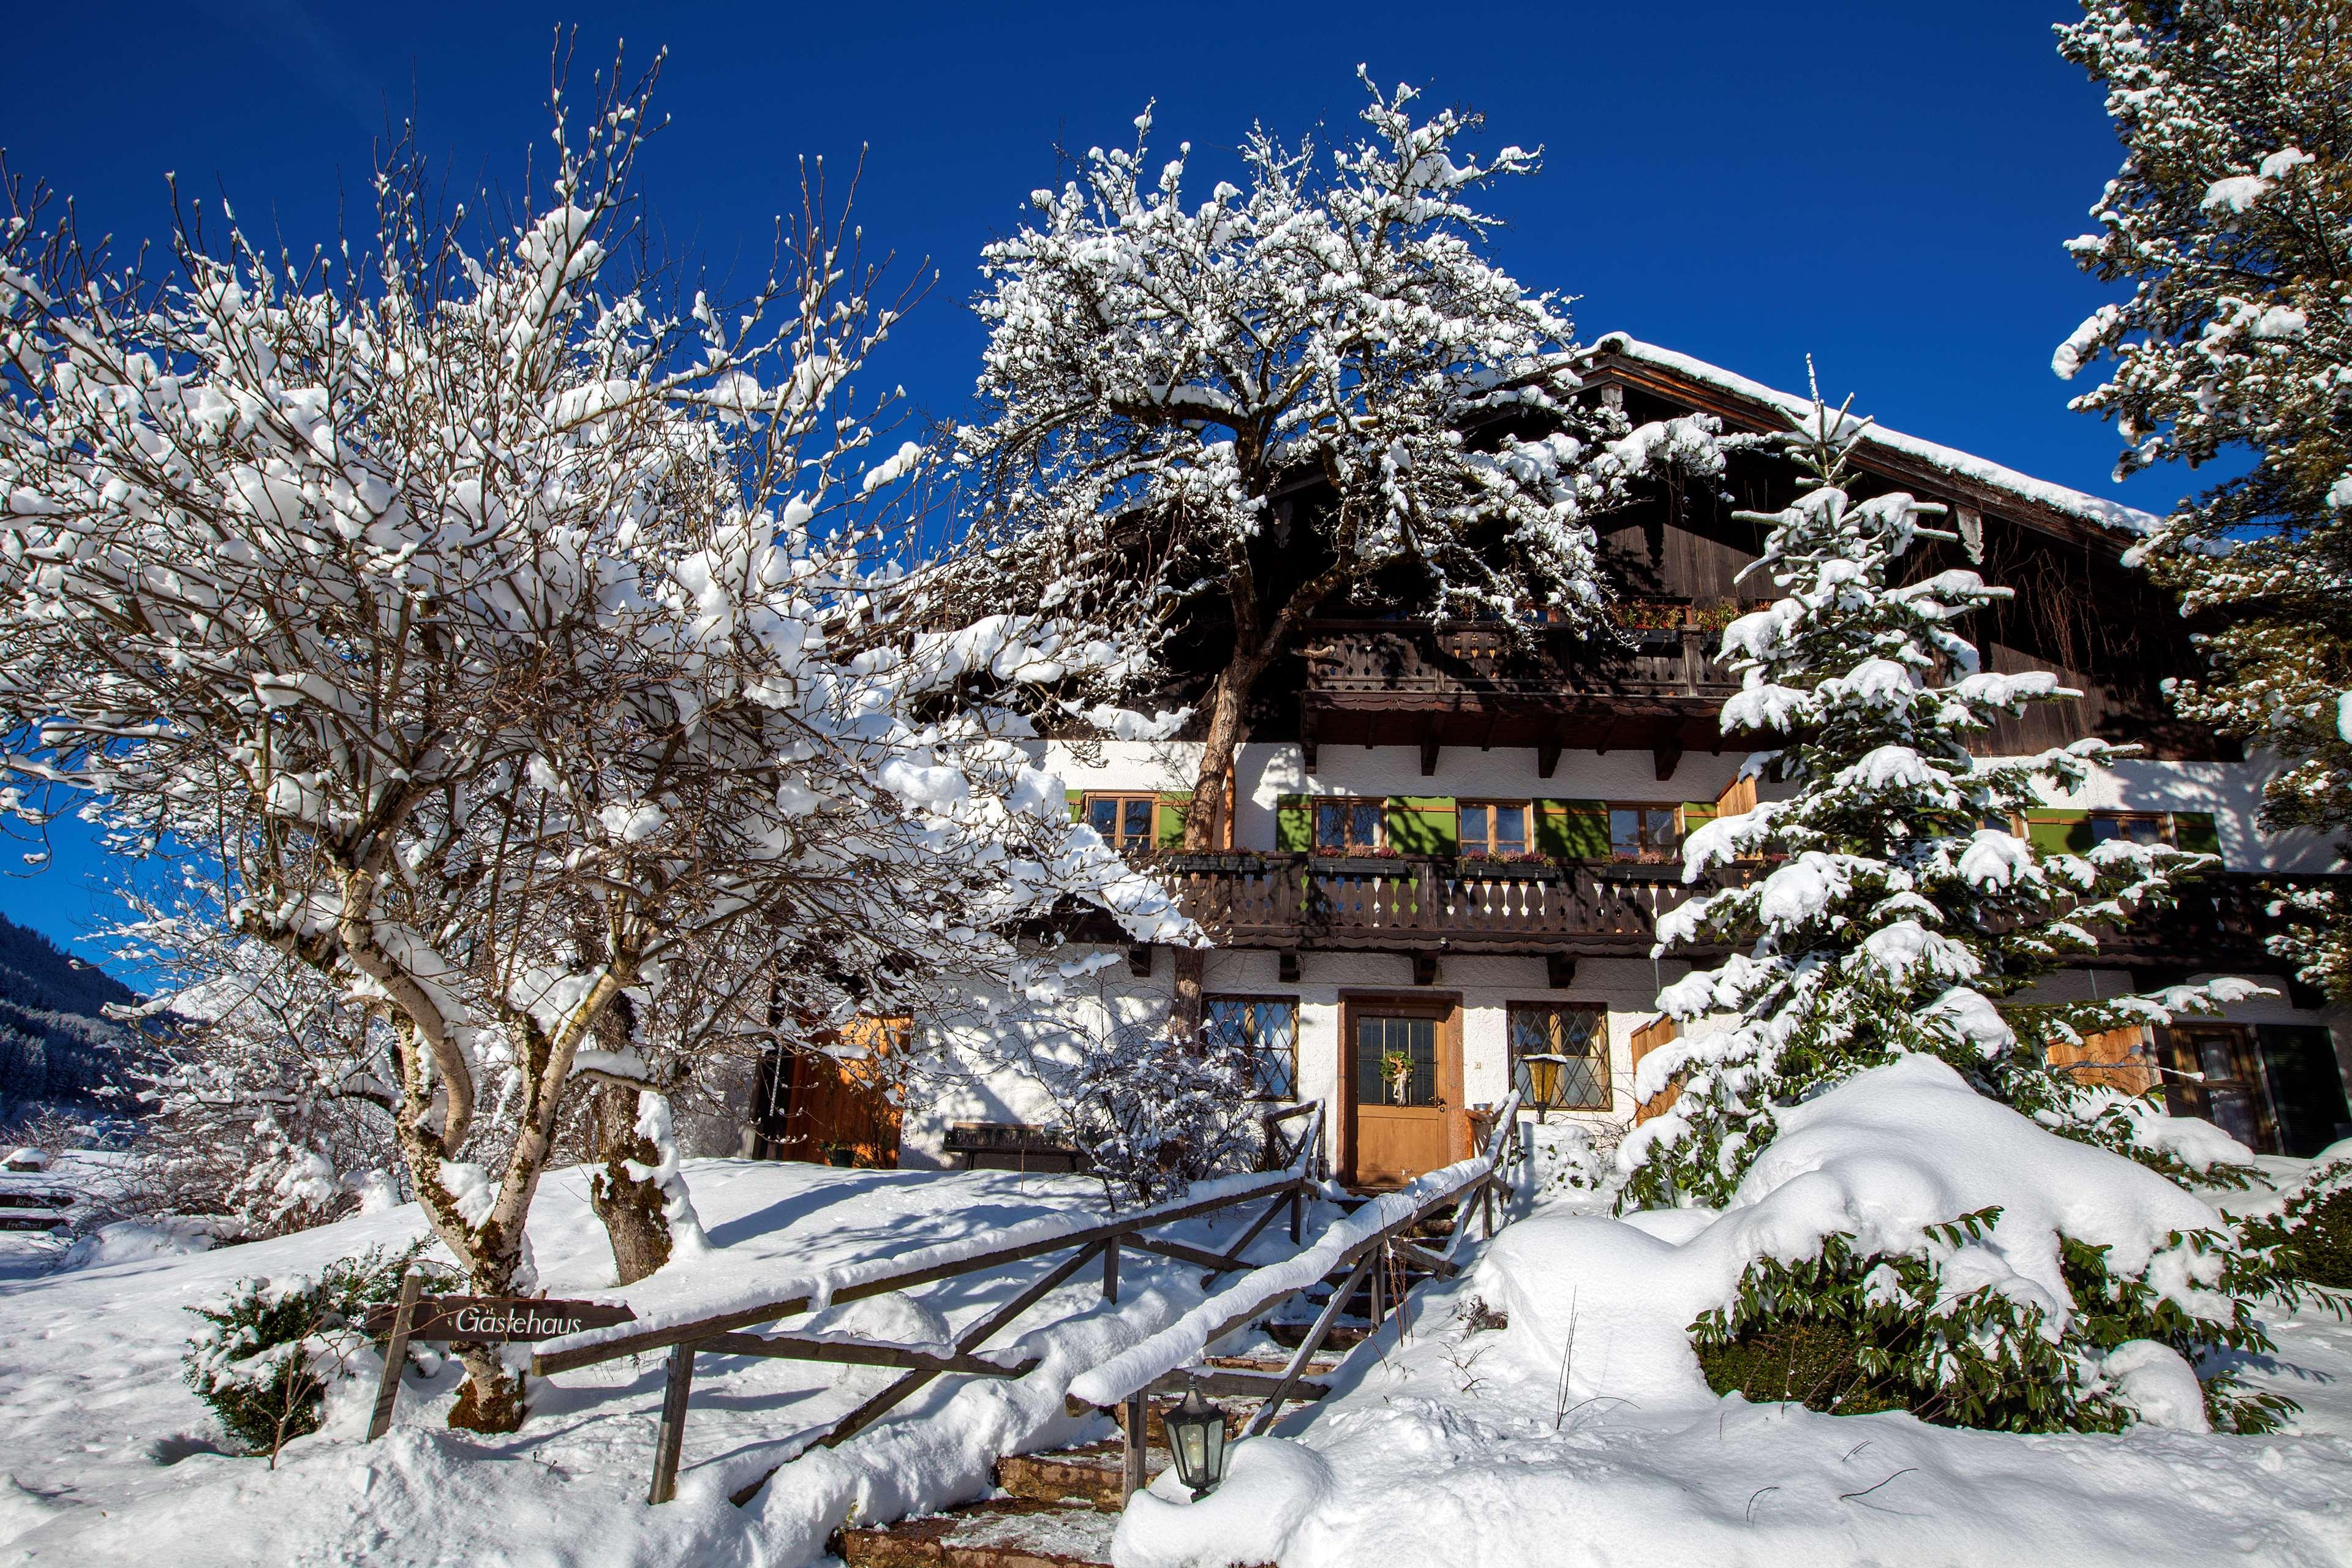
508 636
2232 219
1889 905
1169 379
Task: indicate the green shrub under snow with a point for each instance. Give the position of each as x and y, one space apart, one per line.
1849 1334
264 1357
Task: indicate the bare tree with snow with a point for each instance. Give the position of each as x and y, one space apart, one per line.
505 638
1234 412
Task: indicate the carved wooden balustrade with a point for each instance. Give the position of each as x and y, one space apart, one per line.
1389 656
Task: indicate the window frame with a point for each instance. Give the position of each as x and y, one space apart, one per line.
1527 810
1119 841
1349 803
2165 829
1664 858
1602 1072
1253 1047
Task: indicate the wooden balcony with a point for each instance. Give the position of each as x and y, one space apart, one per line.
1298 903
1386 683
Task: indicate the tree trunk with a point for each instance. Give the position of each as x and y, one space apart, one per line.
491 1398
631 1209
1206 825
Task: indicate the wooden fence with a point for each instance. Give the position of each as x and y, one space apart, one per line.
719 1335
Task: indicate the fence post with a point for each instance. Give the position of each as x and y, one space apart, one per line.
1130 1458
670 1444
395 1351
1298 1214
1110 1270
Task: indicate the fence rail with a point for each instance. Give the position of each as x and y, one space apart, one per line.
719 1333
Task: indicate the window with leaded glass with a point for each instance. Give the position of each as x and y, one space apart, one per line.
1347 827
1649 833
1125 821
1396 1060
1579 1036
1265 1029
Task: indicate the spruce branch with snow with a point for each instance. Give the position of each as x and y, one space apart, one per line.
1171 383
2231 220
507 636
1898 910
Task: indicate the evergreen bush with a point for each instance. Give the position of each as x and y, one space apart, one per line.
1848 1333
264 1357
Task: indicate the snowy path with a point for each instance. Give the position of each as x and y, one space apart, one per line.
105 1445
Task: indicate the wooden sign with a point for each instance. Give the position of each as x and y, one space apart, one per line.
480 1318
497 1319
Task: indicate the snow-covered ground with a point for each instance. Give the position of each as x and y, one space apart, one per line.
1581 1431
1444 1445
109 1458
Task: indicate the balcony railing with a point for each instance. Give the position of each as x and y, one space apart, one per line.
1306 900
1367 658
1297 902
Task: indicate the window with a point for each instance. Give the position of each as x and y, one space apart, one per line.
1125 821
1396 1061
1497 827
1266 1029
2132 827
1649 833
1579 1035
1347 827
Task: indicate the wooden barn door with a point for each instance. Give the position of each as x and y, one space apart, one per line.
1402 1087
832 1111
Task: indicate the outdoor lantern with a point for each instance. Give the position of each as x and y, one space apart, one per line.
1543 1080
1196 1436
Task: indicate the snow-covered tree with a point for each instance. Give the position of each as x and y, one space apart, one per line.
1232 412
2230 218
1899 906
502 635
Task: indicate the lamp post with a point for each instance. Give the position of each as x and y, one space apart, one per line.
1196 1437
1541 1085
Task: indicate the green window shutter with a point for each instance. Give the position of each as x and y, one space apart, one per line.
1423 825
1078 805
2194 830
1294 825
1573 829
1172 807
2059 832
1697 814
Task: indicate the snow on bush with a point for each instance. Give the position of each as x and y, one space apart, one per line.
1986 1269
2310 1225
267 1353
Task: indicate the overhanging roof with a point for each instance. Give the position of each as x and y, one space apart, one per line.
1926 465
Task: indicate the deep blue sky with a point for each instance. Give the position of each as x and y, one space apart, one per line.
1883 186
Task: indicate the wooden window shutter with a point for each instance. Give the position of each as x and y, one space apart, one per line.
1645 1040
2122 1059
1739 797
1573 829
1078 805
2195 831
1170 819
1423 825
1294 825
2059 832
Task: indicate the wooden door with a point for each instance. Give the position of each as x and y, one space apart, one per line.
2218 1077
832 1111
1404 1085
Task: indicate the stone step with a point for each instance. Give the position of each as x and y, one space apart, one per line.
1005 1533
1088 1474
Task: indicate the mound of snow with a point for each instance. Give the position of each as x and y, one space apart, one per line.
1607 1304
135 1241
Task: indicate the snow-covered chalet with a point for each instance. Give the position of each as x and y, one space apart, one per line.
1447 856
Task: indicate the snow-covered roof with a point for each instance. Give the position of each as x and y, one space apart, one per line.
2073 503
